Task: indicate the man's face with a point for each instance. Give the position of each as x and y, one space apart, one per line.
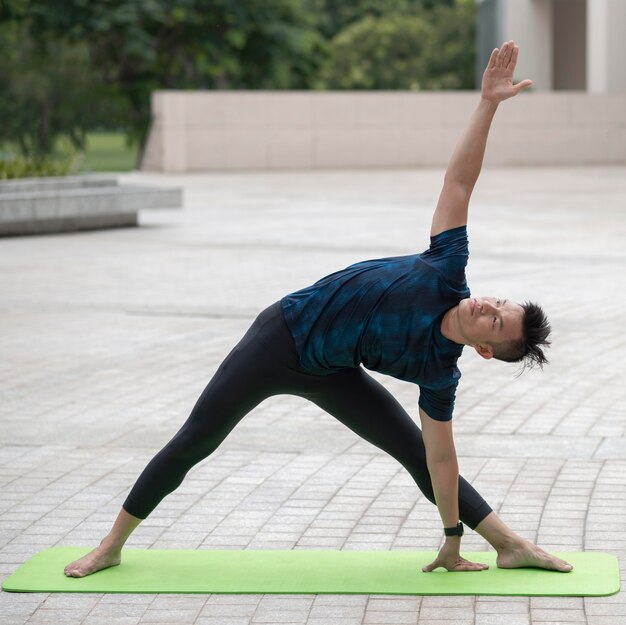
490 320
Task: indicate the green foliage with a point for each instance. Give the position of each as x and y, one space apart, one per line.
379 53
70 66
333 16
404 51
49 90
143 45
18 166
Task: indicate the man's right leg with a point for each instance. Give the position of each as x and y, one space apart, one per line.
248 375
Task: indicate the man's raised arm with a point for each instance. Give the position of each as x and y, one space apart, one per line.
467 160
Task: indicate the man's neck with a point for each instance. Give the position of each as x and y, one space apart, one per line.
450 326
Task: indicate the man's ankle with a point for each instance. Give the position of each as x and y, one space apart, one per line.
110 544
507 542
497 533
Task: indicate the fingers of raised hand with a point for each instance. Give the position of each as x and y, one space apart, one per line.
522 85
493 58
502 54
507 54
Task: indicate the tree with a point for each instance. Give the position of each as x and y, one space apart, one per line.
407 49
333 16
143 45
49 90
67 65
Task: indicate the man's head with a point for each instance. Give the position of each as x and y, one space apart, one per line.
499 328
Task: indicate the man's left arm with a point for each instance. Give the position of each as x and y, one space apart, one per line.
443 468
467 159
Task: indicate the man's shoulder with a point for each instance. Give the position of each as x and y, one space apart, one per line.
448 242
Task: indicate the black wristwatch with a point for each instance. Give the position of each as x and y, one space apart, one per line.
454 531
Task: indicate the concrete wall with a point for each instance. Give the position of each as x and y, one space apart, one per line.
238 130
606 37
529 24
564 44
489 34
570 45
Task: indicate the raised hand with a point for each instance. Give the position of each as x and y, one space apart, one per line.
498 77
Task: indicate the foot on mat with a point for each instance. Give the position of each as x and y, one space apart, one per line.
526 554
95 560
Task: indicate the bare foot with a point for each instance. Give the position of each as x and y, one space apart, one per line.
524 554
95 560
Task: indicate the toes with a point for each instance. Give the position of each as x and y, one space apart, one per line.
555 564
564 567
73 571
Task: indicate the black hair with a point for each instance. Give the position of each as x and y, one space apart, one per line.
529 349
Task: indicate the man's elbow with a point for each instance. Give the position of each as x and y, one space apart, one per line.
441 459
460 185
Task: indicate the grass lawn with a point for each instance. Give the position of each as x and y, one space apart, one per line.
107 151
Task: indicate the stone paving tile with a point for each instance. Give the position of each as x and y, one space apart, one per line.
112 620
496 619
109 337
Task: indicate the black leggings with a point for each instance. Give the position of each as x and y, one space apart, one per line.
265 363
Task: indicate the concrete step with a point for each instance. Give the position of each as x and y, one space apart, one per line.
22 185
57 205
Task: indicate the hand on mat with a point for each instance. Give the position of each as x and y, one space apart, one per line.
498 77
449 558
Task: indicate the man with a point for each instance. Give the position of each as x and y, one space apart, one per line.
408 317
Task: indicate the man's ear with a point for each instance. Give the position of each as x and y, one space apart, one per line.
486 351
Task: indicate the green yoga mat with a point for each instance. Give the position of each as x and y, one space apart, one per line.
310 572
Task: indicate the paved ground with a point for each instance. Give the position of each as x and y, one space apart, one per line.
109 337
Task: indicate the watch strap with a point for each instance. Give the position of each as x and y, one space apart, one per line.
457 530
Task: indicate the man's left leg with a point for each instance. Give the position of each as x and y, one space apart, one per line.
515 552
367 408
371 411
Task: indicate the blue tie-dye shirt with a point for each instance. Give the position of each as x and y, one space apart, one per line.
386 314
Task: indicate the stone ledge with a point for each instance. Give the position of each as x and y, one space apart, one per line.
68 224
49 183
48 205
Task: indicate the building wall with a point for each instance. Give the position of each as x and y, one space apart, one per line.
489 33
529 24
239 130
569 45
606 51
564 44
